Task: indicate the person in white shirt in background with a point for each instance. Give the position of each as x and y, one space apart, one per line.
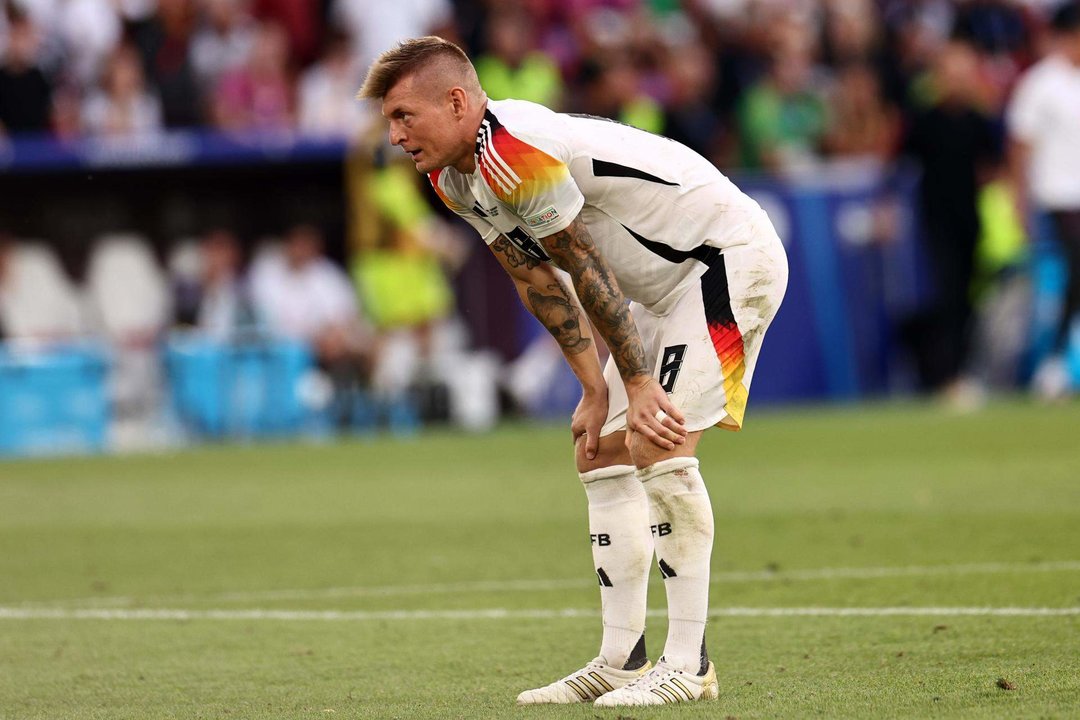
223 41
302 295
1044 138
326 106
211 295
124 105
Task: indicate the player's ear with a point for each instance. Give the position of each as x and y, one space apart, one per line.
459 102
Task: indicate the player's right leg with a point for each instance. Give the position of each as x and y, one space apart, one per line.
622 553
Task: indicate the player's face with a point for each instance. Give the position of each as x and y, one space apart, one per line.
422 125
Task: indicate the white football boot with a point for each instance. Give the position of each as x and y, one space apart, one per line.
664 685
583 686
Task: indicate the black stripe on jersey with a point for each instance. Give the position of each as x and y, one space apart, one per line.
714 284
705 253
603 168
715 294
479 210
483 137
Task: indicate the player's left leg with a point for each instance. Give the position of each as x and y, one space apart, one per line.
708 377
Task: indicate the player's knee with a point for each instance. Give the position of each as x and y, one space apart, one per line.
644 452
611 450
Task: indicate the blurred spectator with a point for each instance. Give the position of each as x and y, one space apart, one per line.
375 27
327 93
613 90
165 44
851 29
302 22
513 68
215 300
401 251
258 96
1002 287
123 105
688 117
90 30
1044 129
300 294
916 30
952 140
223 43
25 91
995 27
782 118
861 123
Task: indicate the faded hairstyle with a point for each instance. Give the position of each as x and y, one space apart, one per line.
413 55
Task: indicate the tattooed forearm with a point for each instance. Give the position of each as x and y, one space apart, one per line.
559 314
514 257
573 250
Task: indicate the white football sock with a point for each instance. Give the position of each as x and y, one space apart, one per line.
682 528
622 550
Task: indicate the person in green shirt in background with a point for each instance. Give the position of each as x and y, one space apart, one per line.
782 119
512 68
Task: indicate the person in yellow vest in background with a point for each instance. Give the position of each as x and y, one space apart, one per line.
511 67
1001 290
400 256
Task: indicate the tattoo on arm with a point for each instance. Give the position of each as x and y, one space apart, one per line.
560 316
573 250
514 257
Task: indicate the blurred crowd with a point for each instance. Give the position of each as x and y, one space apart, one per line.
780 86
769 84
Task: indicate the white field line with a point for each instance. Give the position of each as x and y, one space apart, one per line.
24 613
542 585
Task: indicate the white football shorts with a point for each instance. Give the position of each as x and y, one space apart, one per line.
704 350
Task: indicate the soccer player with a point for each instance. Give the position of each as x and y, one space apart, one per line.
628 216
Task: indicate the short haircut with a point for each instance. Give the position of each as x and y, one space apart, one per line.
409 57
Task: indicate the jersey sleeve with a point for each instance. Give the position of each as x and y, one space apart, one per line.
486 230
532 177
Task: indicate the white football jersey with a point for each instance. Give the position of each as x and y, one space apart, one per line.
655 209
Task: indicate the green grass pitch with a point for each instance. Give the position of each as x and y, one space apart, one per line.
439 576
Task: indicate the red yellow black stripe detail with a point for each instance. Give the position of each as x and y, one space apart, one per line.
514 170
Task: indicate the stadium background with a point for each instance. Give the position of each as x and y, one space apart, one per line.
179 144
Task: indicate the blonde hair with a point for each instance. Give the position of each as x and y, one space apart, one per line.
412 56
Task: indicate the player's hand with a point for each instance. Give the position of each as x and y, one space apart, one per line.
588 418
651 413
